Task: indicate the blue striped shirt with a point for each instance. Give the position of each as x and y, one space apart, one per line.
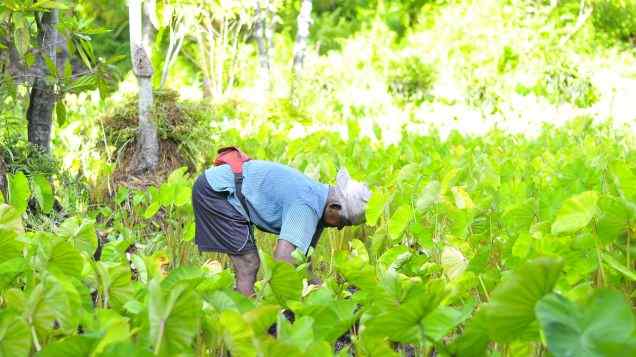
281 199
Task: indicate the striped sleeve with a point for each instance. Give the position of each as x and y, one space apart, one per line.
299 225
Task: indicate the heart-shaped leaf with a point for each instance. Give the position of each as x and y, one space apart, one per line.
510 311
575 213
603 327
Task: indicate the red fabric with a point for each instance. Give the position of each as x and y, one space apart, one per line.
232 156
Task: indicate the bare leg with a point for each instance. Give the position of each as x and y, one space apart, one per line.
245 269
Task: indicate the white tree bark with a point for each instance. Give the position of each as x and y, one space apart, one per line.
263 44
147 153
303 21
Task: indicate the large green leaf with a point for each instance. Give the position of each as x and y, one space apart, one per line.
375 207
47 303
81 233
125 349
9 247
43 193
114 283
625 179
10 221
284 281
618 266
19 191
453 262
113 329
372 346
399 221
519 217
430 195
356 271
261 318
174 317
300 334
70 346
15 338
402 322
614 218
575 213
603 327
237 334
59 256
510 311
474 339
443 319
10 269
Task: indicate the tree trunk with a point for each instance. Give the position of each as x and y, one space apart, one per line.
148 30
263 44
3 177
42 99
304 21
147 152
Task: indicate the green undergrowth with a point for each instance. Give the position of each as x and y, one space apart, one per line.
473 245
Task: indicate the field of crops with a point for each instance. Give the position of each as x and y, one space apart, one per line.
493 245
497 138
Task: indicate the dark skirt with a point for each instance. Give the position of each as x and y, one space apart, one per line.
219 226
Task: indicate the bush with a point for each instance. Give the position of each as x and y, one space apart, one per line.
411 79
564 83
178 122
616 18
19 155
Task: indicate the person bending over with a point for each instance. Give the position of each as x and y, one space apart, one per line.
239 193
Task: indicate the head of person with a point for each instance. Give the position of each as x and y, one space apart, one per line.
347 202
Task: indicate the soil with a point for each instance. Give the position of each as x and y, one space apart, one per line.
170 159
175 121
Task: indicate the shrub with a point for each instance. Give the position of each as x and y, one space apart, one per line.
411 79
563 83
616 18
179 123
20 155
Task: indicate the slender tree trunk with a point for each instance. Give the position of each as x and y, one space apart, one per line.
147 152
148 30
303 21
263 44
42 99
3 178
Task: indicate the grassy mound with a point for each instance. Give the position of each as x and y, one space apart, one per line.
178 125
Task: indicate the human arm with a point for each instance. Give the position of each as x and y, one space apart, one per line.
298 231
283 251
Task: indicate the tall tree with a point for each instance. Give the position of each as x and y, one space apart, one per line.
303 23
261 32
43 96
147 152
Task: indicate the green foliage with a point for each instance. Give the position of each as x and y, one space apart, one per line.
19 155
497 244
178 122
564 84
512 303
411 79
16 339
615 18
602 327
575 213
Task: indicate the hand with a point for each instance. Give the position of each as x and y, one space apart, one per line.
283 251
